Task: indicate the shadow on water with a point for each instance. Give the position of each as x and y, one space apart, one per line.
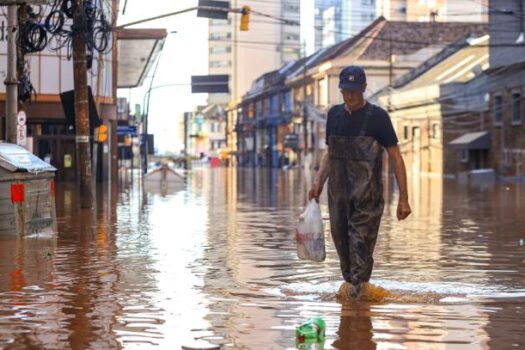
216 263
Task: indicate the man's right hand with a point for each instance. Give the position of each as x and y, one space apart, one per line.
315 191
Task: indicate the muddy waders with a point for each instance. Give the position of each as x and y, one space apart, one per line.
355 200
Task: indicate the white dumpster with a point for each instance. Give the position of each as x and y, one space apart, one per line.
27 193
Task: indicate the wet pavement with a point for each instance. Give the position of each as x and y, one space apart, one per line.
216 263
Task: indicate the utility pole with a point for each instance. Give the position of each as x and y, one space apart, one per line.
186 121
391 64
305 116
11 82
81 107
235 55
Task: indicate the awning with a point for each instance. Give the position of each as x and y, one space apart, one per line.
472 141
137 51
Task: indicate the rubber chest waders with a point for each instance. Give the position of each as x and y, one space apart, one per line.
355 200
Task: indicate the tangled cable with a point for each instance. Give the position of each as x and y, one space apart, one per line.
56 28
53 27
32 36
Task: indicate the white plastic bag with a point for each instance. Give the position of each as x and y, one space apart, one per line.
310 234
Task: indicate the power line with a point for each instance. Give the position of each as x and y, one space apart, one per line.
297 23
502 11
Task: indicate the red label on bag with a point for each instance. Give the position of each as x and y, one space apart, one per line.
305 237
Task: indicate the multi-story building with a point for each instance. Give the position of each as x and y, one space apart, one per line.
220 54
272 116
337 20
433 10
506 87
273 39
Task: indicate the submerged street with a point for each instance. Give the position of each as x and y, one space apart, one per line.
216 263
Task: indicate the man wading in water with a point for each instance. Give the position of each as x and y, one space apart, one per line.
356 133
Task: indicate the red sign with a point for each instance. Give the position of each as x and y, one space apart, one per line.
17 193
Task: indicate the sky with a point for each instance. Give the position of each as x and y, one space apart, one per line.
185 54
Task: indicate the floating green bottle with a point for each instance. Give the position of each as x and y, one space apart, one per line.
311 330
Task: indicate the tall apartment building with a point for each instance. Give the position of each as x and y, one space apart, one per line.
244 56
220 54
433 10
273 39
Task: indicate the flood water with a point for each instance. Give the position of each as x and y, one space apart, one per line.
216 263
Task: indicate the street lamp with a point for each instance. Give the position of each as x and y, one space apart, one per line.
146 109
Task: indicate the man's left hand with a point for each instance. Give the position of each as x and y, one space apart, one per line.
403 210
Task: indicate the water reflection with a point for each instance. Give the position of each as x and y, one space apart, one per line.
355 328
217 263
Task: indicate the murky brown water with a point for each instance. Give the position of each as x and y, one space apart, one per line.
217 262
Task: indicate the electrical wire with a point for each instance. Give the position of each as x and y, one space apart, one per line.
56 28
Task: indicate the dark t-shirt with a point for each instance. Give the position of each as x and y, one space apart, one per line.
379 125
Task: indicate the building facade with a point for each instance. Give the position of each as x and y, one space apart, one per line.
336 20
312 83
269 43
507 87
440 121
50 129
50 135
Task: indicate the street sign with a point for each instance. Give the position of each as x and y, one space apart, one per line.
21 118
213 9
291 141
138 112
217 83
21 135
127 130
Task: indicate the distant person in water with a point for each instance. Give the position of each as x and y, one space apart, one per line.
357 132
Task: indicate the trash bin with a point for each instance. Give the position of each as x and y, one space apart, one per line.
27 193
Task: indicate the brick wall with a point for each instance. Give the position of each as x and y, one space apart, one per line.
513 134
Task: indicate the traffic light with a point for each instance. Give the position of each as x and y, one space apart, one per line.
101 133
245 18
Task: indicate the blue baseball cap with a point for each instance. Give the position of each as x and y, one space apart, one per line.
352 78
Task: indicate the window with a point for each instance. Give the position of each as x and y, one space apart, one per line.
291 50
220 36
220 22
220 50
365 17
274 104
290 36
405 132
219 64
435 131
498 109
290 8
464 155
322 88
516 108
287 104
